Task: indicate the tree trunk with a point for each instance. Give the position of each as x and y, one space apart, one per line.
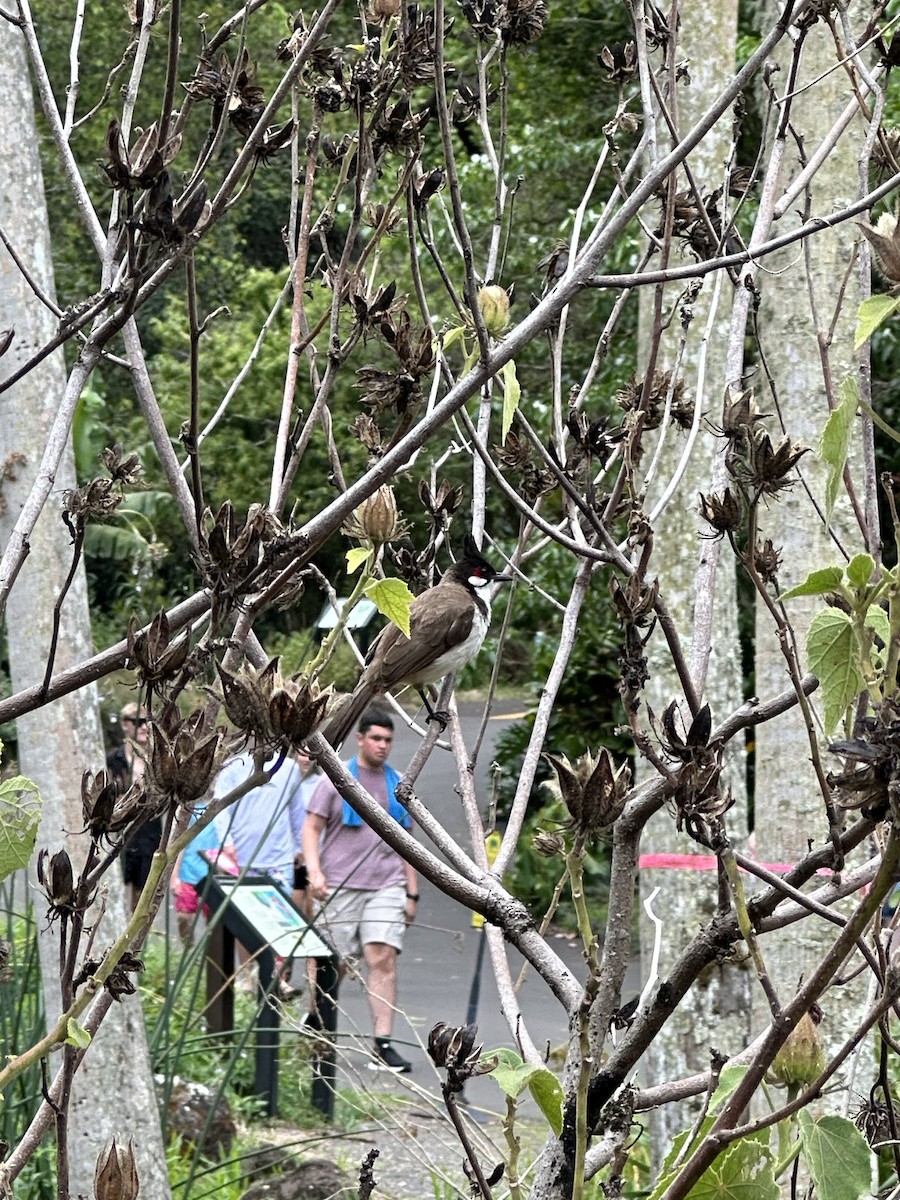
789 808
714 1013
113 1092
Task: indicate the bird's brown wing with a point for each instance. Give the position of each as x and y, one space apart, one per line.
397 658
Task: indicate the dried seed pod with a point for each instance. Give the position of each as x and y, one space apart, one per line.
723 512
115 1176
591 789
376 519
884 238
383 10
548 843
56 877
454 1049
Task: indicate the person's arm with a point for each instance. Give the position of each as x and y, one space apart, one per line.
412 892
312 831
297 813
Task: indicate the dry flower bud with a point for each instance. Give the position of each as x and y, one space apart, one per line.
801 1060
548 843
493 304
383 10
376 519
884 238
56 877
115 1176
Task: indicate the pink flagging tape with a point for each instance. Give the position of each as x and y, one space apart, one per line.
704 862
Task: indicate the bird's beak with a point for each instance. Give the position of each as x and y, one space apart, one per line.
502 579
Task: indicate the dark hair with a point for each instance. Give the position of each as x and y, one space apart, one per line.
374 716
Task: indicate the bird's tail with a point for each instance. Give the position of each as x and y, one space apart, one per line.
342 722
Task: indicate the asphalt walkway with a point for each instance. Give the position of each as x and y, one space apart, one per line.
439 967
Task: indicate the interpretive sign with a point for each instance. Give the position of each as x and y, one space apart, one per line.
255 911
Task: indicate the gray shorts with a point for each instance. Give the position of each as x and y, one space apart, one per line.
352 919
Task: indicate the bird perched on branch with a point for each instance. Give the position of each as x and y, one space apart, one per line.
447 626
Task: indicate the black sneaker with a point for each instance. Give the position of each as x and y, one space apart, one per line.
386 1058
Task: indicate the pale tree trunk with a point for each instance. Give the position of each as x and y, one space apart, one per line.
789 809
113 1093
714 1013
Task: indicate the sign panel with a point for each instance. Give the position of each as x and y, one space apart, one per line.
274 918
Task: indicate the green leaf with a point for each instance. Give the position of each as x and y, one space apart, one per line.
452 336
729 1080
20 815
356 557
834 656
860 569
743 1172
548 1095
392 598
836 441
511 394
77 1035
512 1073
878 620
838 1157
817 583
872 312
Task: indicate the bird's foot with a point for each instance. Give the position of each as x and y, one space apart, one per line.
440 715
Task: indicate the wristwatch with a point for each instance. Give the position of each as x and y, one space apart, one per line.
412 896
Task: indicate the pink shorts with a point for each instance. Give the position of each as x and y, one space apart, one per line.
187 900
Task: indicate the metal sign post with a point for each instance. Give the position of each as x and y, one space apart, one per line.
255 911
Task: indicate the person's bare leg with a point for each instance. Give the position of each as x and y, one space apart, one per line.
381 964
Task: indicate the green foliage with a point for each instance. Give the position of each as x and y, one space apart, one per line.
20 816
514 1075
872 314
744 1171
392 598
511 396
77 1035
838 1156
831 650
21 1025
851 643
836 441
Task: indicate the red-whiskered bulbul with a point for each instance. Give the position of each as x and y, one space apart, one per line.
447 626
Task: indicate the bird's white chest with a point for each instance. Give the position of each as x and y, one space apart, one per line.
457 656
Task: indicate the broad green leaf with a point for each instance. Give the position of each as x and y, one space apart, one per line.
20 815
676 1151
548 1095
877 619
728 1083
872 312
356 557
860 569
511 395
817 583
512 1073
392 598
77 1035
834 656
743 1172
452 336
838 1157
836 440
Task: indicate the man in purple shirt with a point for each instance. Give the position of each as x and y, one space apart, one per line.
370 894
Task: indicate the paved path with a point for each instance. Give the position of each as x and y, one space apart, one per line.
438 964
